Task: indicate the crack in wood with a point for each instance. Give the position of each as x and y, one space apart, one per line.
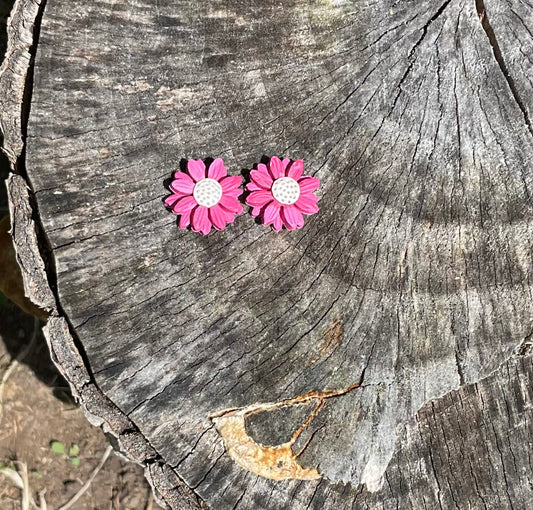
526 347
278 462
487 27
410 57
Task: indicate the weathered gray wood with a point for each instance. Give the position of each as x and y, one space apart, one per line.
29 244
14 66
168 488
24 235
415 116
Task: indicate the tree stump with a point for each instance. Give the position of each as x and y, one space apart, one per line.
376 358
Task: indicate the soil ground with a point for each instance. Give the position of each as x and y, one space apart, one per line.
37 410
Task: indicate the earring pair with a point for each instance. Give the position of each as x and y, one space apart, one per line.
279 194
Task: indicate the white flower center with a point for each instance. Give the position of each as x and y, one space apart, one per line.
286 190
207 192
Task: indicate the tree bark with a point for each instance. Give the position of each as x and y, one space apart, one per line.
378 357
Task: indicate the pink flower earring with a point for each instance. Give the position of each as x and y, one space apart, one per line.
280 193
205 199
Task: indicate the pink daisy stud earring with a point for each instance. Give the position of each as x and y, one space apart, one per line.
280 194
205 198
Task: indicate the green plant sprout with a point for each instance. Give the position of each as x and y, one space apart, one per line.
72 455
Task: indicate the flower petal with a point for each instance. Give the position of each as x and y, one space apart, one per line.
184 205
237 192
217 217
277 224
185 220
256 211
196 169
272 212
296 170
231 182
307 203
259 198
286 162
231 204
276 168
172 199
308 184
200 220
252 186
181 187
228 216
182 175
292 217
262 179
217 170
182 182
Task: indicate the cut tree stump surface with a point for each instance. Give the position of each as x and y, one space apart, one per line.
246 356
